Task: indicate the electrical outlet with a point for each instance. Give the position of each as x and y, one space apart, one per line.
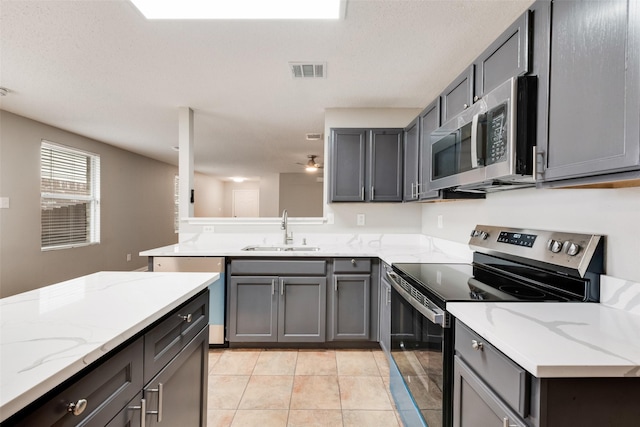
440 221
208 229
128 257
4 203
360 219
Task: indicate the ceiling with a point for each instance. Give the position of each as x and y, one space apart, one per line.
100 69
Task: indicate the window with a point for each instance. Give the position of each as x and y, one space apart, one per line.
69 197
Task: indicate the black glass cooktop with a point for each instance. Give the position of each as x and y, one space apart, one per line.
475 282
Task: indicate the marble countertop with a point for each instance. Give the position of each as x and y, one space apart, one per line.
51 333
559 339
390 248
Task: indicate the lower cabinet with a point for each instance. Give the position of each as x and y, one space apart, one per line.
277 309
114 392
350 306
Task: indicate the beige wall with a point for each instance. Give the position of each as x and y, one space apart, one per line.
136 213
269 195
301 194
209 196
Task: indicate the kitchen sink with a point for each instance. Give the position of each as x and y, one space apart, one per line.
282 248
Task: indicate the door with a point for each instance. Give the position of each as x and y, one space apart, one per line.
458 96
246 203
302 309
385 166
411 161
350 304
253 309
593 89
177 396
429 121
347 165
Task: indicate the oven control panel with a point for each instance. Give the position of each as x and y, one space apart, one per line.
572 251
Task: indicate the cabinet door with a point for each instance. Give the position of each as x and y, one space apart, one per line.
411 161
429 121
347 165
458 96
177 396
475 404
385 314
508 56
350 304
252 313
302 309
594 85
385 166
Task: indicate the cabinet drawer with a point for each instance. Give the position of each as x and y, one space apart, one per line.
304 267
505 377
167 338
107 389
352 265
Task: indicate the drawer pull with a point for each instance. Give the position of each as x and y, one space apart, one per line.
477 345
158 390
143 411
505 423
186 317
78 407
353 261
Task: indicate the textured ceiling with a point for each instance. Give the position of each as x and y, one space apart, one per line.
99 69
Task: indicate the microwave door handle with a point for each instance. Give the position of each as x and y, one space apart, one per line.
474 141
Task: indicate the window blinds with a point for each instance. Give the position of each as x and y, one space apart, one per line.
70 197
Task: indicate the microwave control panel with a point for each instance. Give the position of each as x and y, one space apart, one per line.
497 134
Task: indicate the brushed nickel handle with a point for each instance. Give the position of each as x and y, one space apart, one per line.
465 106
273 286
186 317
335 284
362 193
158 390
143 411
477 345
78 407
476 98
281 286
353 261
505 423
372 193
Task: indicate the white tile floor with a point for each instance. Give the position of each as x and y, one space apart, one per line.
299 388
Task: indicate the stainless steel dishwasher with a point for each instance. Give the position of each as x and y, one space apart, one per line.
216 289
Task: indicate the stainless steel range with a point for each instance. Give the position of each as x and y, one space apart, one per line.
509 265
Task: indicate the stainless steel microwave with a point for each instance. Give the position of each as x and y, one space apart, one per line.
490 145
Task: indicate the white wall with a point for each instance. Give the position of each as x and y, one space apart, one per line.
614 213
209 196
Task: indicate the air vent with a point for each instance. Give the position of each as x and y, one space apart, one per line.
314 136
302 70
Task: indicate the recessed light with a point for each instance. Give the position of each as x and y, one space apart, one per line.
238 179
239 9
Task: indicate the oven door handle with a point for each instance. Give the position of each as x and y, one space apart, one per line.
435 315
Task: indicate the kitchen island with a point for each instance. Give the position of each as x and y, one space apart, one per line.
53 334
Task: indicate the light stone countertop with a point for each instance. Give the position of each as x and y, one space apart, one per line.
51 333
551 339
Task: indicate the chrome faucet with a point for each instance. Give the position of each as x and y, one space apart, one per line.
288 237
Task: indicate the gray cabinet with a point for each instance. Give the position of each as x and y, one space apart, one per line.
491 390
115 391
350 299
277 300
366 165
429 120
384 310
458 96
594 100
411 178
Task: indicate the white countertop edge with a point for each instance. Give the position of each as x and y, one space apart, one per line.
12 406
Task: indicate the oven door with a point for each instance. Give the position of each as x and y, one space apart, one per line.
422 359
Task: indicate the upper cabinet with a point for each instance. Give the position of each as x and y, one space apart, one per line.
428 120
594 102
366 165
458 95
411 161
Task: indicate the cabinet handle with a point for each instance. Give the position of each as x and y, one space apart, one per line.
477 345
143 411
476 98
412 192
186 317
281 286
372 193
335 284
273 286
158 390
353 261
505 423
362 193
388 296
465 106
78 407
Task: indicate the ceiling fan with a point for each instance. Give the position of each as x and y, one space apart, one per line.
311 165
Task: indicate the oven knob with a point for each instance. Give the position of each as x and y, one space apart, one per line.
484 235
554 246
573 249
